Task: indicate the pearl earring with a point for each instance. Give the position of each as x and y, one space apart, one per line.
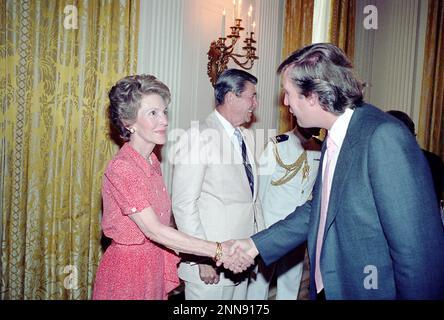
131 130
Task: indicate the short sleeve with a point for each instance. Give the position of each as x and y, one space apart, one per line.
129 186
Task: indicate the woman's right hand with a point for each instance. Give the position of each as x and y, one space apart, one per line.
208 274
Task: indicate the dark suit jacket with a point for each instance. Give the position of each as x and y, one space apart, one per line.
437 169
383 236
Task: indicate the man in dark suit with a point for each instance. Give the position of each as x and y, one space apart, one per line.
435 163
373 225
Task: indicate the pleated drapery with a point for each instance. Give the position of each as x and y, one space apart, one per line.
298 27
58 62
431 114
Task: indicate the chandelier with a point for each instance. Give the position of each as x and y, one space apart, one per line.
222 50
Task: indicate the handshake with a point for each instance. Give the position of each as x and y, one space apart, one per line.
236 255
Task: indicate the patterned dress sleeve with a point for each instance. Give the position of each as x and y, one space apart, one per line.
129 187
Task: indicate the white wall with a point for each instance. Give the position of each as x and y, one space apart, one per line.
390 58
174 38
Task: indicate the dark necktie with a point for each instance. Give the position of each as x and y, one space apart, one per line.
247 165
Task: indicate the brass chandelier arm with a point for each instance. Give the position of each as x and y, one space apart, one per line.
219 53
242 64
230 48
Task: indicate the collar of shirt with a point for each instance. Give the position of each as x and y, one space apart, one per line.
337 133
229 129
226 124
339 128
140 161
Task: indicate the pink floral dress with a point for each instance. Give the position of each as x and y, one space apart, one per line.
133 267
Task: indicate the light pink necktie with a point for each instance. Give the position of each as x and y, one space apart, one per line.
331 150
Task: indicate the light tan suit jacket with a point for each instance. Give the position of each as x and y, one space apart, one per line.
211 195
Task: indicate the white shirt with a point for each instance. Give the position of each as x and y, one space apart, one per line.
230 131
337 133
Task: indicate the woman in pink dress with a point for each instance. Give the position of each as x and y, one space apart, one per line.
136 204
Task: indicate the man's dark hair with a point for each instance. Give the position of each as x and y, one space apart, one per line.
232 80
404 117
324 69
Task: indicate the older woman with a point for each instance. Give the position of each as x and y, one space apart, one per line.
136 205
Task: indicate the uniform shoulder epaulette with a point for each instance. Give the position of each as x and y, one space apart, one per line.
279 138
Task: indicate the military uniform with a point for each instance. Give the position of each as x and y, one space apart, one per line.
287 175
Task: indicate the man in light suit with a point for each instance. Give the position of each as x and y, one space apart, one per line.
373 226
215 186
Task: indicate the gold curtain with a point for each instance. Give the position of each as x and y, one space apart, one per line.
431 114
342 25
297 33
55 76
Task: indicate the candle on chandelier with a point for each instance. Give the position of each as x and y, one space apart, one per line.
223 24
234 11
254 25
250 11
239 9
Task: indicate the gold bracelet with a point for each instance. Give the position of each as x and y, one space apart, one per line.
218 254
